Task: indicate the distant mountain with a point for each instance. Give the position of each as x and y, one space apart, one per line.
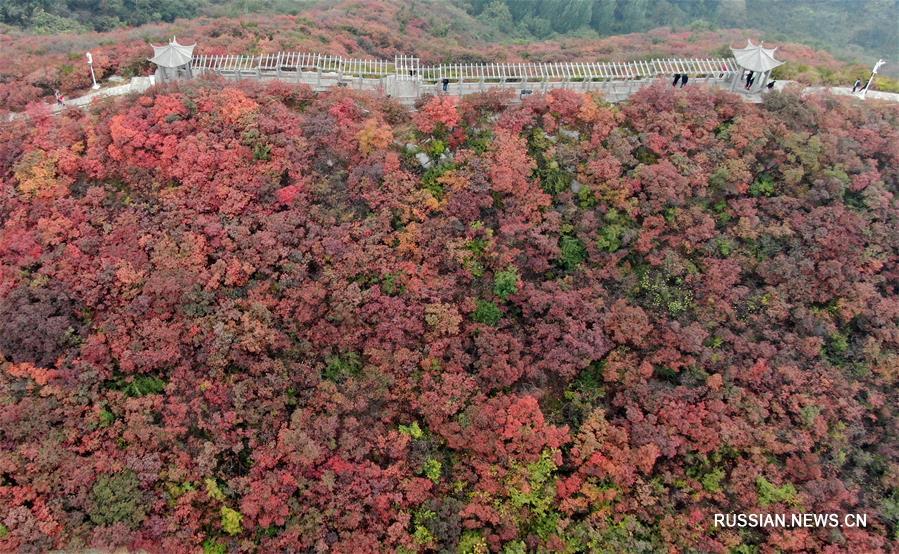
851 29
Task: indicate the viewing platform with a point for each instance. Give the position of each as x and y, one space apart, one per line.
747 73
406 79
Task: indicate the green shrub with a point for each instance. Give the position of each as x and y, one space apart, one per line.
582 395
262 152
231 521
117 498
413 430
764 186
420 521
487 313
472 542
539 498
141 385
722 215
586 198
809 414
624 534
610 237
477 246
480 140
422 535
213 489
771 494
836 348
573 252
554 179
838 343
390 284
854 199
106 417
505 283
432 469
340 367
176 490
213 547
712 481
889 507
430 179
666 292
436 148
611 234
725 247
515 547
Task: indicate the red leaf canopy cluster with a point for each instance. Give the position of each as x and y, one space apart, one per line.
245 318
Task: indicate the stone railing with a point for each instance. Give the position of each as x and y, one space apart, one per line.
406 79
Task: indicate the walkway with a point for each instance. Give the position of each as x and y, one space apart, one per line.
406 79
847 91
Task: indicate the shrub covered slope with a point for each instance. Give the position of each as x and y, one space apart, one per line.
240 318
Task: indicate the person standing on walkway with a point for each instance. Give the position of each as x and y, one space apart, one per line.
750 77
858 83
59 99
445 84
683 80
676 79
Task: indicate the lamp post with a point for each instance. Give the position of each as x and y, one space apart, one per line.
864 91
90 64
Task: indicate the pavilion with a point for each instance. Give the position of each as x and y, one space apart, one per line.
173 61
757 59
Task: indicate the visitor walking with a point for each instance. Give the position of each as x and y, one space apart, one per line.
749 79
683 80
59 98
676 79
858 83
445 84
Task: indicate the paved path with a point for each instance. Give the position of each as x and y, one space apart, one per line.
846 91
408 90
406 80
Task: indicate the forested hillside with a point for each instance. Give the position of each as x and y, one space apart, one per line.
239 318
854 30
849 27
57 16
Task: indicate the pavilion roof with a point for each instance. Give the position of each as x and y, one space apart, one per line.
172 54
755 57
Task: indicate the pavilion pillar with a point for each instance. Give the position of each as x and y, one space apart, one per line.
759 84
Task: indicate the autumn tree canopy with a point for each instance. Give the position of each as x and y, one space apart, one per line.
248 318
